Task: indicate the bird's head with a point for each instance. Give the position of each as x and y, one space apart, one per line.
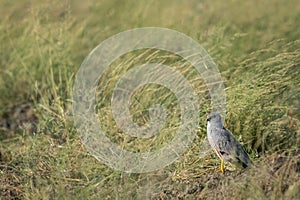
214 118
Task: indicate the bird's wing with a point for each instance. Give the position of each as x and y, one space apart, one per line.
232 150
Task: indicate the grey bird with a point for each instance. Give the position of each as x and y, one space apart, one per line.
224 144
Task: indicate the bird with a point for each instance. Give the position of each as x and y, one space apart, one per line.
224 144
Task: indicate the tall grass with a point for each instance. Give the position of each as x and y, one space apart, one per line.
255 44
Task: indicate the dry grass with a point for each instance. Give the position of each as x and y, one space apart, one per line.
256 46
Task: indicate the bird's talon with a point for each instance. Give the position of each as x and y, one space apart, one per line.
222 167
221 170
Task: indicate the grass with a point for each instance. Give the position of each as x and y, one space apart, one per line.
255 45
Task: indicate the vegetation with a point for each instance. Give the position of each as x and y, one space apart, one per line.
43 43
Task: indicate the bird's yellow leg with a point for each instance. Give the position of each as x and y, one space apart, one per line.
222 167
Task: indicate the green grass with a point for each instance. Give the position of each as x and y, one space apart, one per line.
255 45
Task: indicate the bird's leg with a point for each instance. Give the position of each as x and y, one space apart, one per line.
222 167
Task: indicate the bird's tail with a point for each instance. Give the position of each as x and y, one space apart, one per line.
243 157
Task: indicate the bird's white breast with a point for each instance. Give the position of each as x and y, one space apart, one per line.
208 125
209 134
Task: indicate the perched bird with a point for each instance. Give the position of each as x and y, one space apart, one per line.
224 144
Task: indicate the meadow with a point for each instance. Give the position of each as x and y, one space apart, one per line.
255 45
